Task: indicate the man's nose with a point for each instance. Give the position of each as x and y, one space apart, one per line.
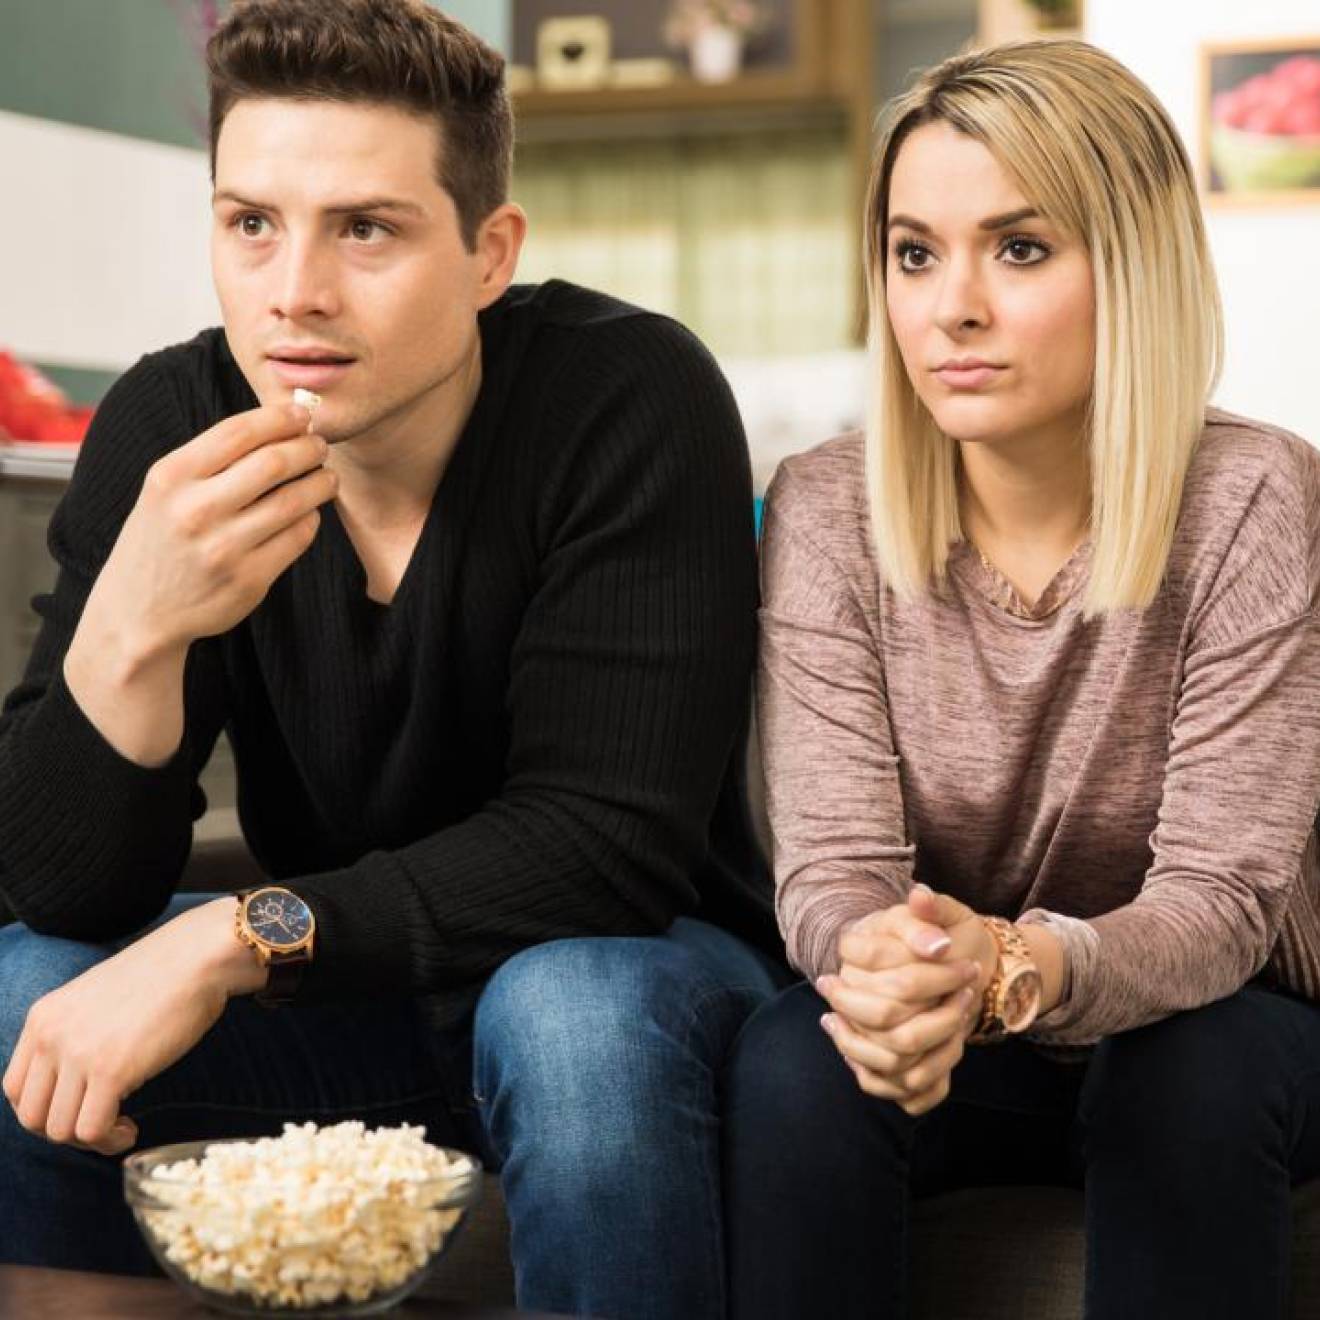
304 281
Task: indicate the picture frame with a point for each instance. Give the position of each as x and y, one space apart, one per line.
1256 106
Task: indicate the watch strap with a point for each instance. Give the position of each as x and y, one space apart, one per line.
283 977
989 1027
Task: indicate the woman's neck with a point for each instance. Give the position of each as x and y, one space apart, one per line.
1028 495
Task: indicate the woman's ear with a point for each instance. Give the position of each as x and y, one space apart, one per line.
499 243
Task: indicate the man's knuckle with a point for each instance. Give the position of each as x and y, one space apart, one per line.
87 1131
214 559
189 518
272 468
159 480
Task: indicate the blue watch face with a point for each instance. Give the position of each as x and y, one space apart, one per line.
278 917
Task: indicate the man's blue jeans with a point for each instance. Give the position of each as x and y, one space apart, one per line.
589 1077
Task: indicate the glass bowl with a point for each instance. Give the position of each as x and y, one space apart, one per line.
311 1248
1265 160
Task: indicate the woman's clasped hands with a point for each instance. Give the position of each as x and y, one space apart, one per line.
907 995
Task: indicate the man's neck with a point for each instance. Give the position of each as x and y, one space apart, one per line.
389 475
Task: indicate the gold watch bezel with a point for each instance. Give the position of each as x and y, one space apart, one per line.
266 951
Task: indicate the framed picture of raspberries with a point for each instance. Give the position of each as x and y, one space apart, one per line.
1260 121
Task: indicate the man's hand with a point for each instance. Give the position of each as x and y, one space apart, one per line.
907 996
94 1041
217 521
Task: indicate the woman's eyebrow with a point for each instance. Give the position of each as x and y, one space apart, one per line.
990 222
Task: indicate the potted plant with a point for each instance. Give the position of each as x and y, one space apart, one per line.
714 33
1057 13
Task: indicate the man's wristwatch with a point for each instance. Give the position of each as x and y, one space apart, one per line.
1012 996
280 929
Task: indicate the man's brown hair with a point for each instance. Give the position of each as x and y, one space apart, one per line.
402 53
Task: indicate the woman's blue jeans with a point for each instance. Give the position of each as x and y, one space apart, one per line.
589 1078
1188 1136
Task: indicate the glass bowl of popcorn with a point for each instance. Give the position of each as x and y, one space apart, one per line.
330 1221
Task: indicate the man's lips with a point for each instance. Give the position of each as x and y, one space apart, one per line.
310 373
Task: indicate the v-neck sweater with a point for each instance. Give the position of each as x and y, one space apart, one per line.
1145 782
539 737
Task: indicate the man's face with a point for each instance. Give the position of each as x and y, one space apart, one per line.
333 239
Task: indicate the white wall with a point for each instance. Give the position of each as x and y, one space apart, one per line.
1268 259
105 243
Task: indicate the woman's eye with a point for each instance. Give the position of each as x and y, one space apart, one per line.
912 256
249 225
1024 251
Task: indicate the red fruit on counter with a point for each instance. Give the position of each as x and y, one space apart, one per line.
32 408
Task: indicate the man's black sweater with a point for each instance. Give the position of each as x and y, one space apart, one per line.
539 737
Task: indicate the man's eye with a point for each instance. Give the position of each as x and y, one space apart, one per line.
249 224
367 230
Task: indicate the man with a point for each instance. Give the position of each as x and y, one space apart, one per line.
479 630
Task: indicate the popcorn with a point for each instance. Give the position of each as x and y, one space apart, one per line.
307 399
308 1218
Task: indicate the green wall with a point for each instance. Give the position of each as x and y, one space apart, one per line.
126 66
131 66
490 19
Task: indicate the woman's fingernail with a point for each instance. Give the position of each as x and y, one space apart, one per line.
919 887
824 985
937 945
827 1021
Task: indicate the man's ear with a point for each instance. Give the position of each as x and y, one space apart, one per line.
499 242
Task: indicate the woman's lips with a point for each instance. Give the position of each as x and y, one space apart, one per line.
310 375
967 378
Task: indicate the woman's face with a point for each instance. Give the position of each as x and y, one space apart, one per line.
992 306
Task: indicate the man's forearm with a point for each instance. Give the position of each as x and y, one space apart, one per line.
130 691
223 957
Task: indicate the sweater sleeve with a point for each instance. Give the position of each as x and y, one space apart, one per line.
91 844
628 681
1241 787
833 793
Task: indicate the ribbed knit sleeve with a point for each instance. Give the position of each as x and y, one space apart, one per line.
92 845
628 679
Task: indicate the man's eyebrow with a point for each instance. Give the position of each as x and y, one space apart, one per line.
356 207
990 222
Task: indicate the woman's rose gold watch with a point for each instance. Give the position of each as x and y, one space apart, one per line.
1012 996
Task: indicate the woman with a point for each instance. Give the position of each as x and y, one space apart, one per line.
1041 647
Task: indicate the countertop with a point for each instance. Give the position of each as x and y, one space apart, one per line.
37 462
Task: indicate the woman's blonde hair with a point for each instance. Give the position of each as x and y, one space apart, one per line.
1095 152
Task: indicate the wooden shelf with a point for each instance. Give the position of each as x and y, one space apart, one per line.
678 110
829 80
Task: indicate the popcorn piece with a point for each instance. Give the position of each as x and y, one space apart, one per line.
308 1217
307 399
